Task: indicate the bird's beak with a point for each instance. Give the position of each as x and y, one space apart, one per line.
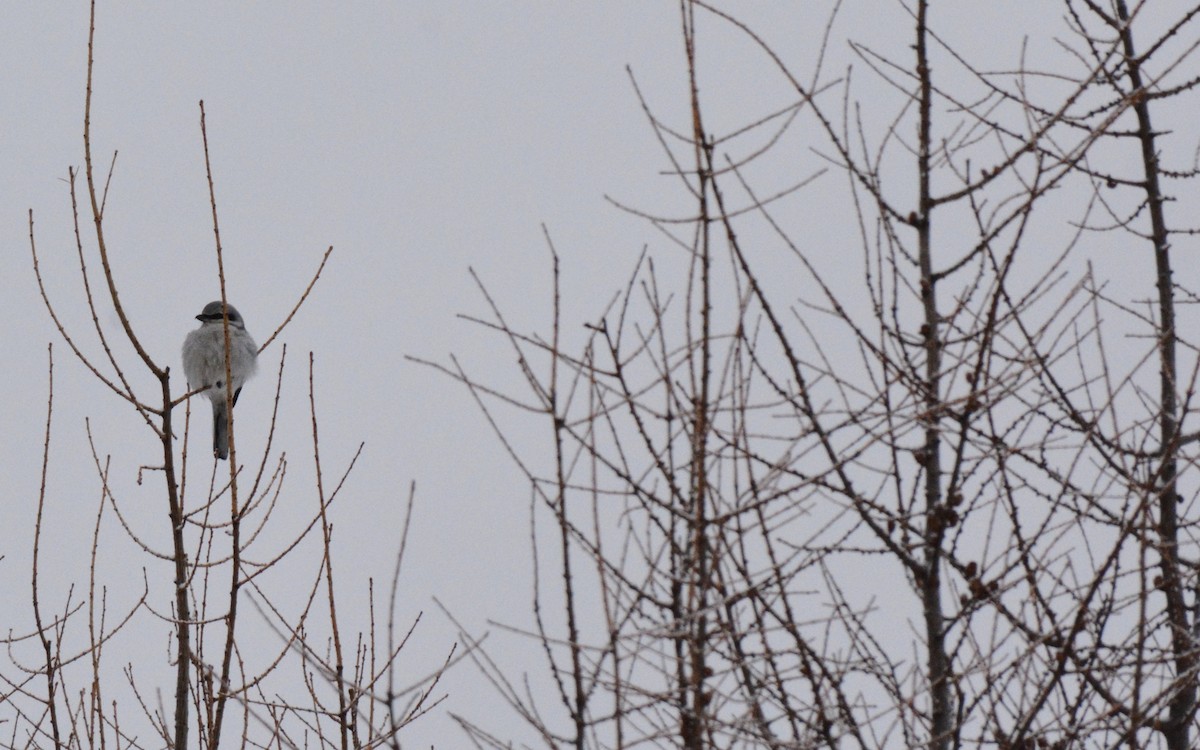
199 317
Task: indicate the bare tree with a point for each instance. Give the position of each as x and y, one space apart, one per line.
293 673
934 505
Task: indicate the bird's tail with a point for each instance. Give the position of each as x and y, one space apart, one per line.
220 429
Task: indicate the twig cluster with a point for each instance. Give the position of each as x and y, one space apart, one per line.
939 506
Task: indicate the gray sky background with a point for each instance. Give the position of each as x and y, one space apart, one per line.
417 138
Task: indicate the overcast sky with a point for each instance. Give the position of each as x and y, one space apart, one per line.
419 139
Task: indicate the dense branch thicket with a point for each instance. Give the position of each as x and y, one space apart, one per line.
914 474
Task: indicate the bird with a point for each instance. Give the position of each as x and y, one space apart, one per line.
204 364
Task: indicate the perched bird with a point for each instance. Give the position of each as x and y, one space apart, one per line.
204 364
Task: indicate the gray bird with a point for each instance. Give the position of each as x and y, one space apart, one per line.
204 364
